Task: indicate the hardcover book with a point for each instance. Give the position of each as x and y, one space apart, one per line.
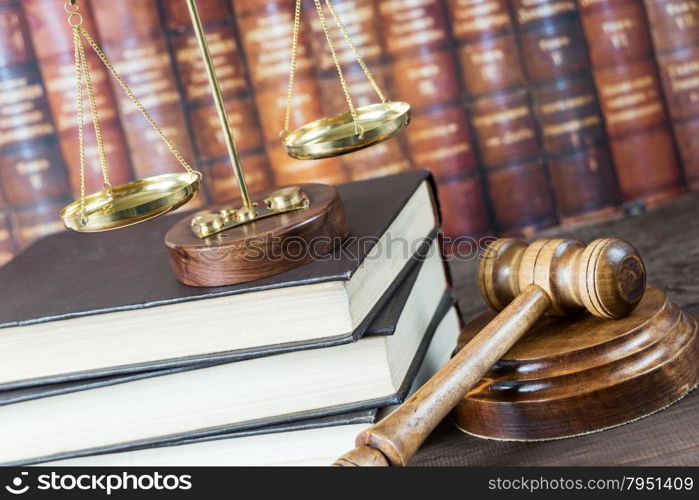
626 77
314 442
209 399
109 302
567 111
440 138
503 120
674 27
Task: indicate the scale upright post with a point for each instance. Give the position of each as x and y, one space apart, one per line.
220 107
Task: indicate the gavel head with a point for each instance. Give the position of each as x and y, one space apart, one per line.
607 277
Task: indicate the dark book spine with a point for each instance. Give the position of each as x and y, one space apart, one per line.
212 155
502 115
675 29
131 34
566 107
418 42
360 17
631 98
266 28
32 171
52 39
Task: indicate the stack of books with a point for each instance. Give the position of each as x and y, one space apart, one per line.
106 359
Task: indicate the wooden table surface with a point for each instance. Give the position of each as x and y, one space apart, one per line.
668 239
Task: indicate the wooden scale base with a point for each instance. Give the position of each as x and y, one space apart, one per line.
574 375
260 248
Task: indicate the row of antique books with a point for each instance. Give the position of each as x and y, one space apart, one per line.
528 112
115 362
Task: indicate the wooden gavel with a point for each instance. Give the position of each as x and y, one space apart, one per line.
524 282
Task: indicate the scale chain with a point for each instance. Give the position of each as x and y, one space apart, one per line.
358 129
355 51
292 71
81 120
95 117
328 36
136 102
82 76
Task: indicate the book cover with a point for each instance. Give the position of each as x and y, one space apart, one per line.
100 278
674 27
570 123
440 137
443 315
501 112
631 98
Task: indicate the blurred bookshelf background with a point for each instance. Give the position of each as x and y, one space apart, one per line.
529 113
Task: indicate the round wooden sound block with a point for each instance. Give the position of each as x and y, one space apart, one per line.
260 248
580 374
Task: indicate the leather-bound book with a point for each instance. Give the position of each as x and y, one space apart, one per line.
32 171
631 98
266 30
361 20
502 115
149 321
52 39
212 154
321 439
131 34
674 27
458 198
418 43
567 110
415 331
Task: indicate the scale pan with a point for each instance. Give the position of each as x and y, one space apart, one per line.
335 135
131 203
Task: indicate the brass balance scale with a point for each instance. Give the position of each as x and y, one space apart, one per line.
211 247
649 352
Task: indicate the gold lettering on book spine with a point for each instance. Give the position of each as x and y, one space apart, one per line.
146 69
684 14
471 16
66 119
444 153
20 119
502 116
222 50
567 104
684 77
541 9
572 126
511 137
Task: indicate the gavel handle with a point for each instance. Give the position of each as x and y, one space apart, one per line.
396 438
